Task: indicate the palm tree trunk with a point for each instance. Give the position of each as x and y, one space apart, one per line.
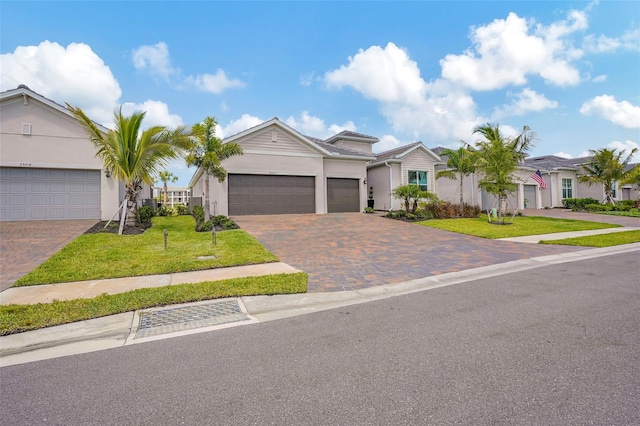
207 213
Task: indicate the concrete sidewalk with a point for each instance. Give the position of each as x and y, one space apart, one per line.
88 289
116 330
535 239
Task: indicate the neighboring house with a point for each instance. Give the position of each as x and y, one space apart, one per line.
48 167
283 171
409 164
175 195
559 174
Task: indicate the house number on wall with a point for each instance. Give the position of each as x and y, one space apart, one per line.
25 164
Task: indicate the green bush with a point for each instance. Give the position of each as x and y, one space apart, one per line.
369 210
447 210
576 204
145 213
221 222
182 210
165 211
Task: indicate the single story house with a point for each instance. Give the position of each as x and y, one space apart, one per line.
48 165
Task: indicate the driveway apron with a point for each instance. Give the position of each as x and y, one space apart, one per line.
348 251
25 245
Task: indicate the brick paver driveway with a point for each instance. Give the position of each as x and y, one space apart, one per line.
344 251
25 245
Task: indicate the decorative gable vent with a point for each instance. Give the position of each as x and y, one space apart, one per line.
274 136
26 129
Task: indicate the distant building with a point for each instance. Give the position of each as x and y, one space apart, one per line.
175 195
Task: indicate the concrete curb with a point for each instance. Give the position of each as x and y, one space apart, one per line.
113 331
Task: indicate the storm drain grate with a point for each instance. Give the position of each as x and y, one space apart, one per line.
153 323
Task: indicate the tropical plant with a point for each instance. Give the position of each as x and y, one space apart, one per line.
166 176
460 164
606 167
410 195
132 155
633 178
208 152
497 158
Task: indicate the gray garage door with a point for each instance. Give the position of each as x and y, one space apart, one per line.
270 194
343 195
49 194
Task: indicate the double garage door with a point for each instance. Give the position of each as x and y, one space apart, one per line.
49 194
275 194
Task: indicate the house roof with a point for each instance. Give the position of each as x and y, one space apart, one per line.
24 91
396 154
354 136
553 162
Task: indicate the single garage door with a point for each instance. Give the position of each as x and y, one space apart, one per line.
49 194
343 195
271 194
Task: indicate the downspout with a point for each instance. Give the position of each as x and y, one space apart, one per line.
386 163
550 191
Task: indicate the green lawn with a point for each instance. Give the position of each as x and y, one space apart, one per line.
605 240
99 256
628 213
19 318
521 226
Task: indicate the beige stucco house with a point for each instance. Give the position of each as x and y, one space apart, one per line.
283 171
48 165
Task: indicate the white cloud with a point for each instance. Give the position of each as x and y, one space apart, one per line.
506 51
154 58
626 147
246 121
214 83
73 74
622 113
307 79
562 154
314 126
384 74
224 107
630 40
524 102
599 78
157 114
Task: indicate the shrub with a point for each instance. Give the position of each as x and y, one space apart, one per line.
576 204
223 222
446 210
369 210
145 213
220 222
165 211
182 210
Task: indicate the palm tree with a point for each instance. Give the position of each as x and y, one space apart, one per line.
166 176
131 155
208 152
460 164
410 195
606 167
633 178
498 158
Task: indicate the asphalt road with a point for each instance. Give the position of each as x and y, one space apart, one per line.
555 345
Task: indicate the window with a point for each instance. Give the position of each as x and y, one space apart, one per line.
567 188
418 177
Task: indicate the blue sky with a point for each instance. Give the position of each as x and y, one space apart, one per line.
400 71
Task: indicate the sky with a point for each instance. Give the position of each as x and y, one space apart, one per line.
427 71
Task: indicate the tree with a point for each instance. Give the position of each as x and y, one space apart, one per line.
606 167
497 158
208 152
410 195
460 164
633 178
131 155
166 176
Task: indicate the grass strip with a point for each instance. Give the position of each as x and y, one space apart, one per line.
101 256
604 240
19 318
520 227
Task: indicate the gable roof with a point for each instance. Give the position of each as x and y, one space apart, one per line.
553 162
24 91
352 136
396 154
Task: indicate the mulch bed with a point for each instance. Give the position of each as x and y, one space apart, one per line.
99 228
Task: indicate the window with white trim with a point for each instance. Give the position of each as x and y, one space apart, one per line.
567 188
418 177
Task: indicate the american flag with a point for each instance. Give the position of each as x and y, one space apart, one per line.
537 176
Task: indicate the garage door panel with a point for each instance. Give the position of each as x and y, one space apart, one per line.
271 194
343 195
49 194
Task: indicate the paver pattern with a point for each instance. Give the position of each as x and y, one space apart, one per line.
25 245
348 251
